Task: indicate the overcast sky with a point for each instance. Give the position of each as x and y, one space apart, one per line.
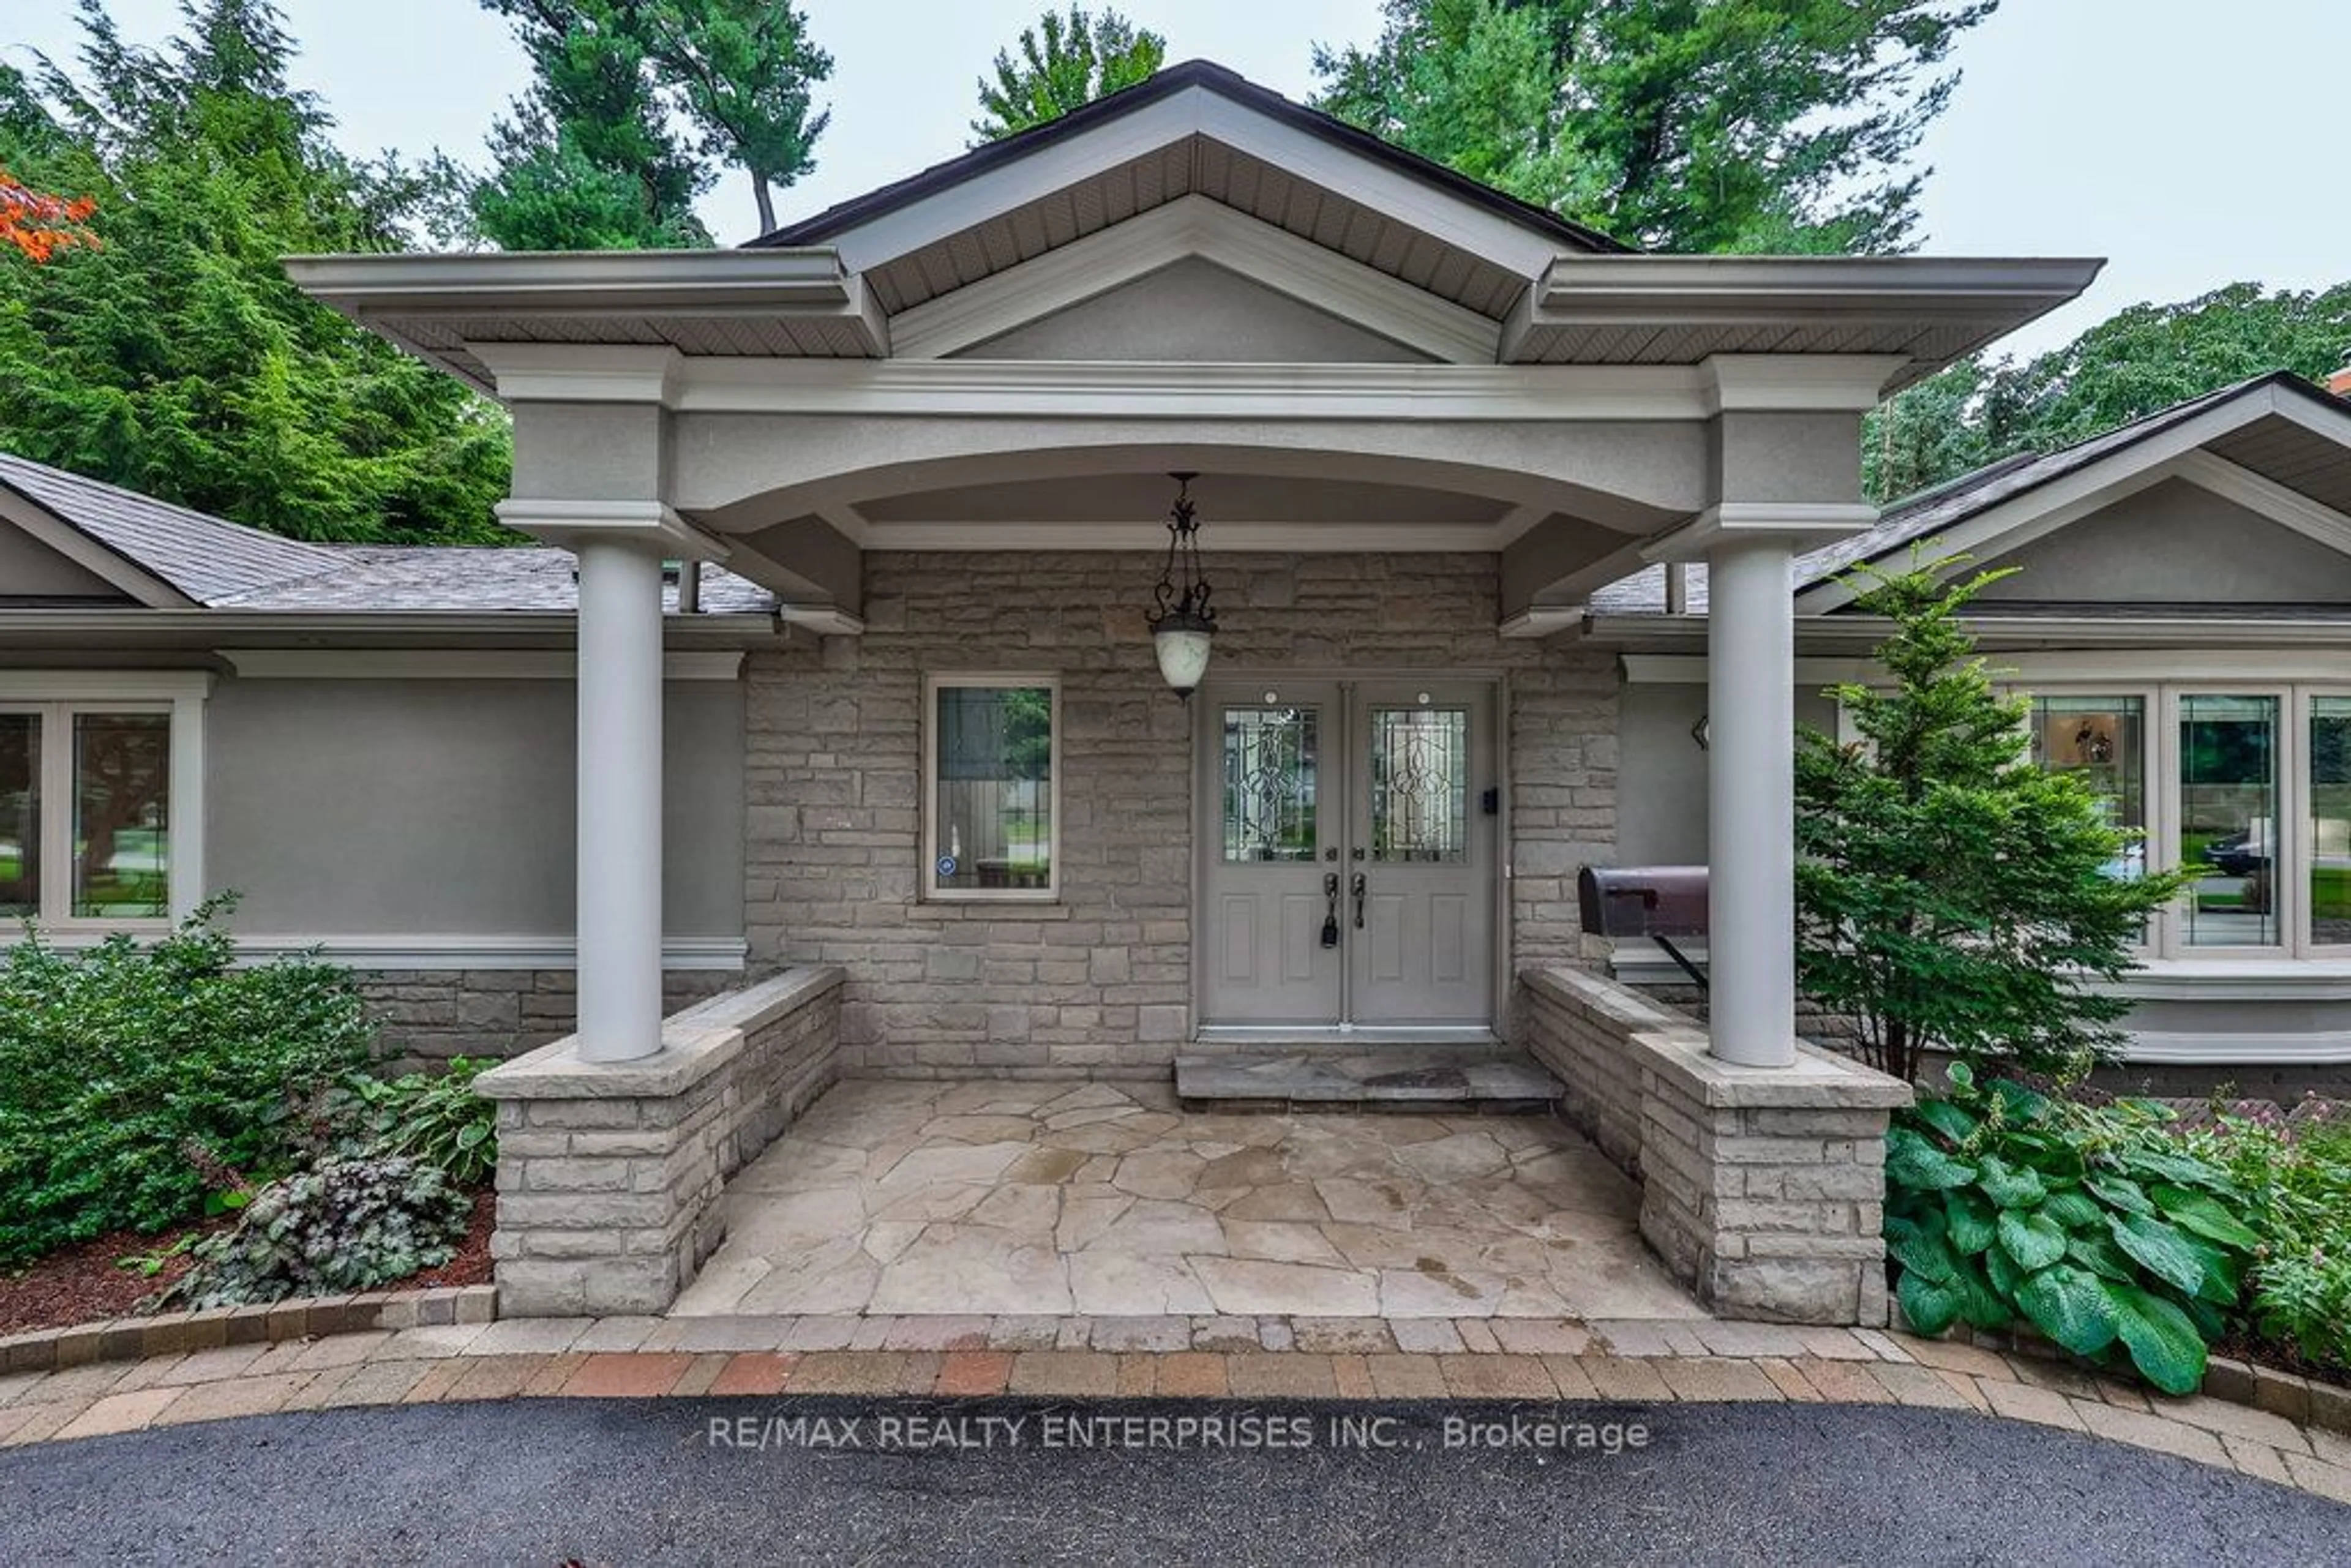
2194 143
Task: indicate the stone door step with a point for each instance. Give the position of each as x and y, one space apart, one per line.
1458 1080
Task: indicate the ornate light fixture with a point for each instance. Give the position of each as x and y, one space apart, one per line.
1183 623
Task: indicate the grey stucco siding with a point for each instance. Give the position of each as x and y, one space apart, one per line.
340 809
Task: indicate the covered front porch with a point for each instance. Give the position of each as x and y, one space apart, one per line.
939 423
1098 1199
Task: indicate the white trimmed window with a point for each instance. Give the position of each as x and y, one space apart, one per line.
101 778
2247 783
991 766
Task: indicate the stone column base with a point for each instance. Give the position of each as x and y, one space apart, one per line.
1763 1187
609 1174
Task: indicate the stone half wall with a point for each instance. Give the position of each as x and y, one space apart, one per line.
1763 1188
1099 983
427 1016
612 1175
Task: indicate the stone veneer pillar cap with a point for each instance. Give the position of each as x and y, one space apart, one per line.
696 1043
1816 1081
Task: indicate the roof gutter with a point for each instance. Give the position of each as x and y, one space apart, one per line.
578 283
1999 633
365 627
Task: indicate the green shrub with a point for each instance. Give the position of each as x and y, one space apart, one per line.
435 1117
2297 1182
342 1225
2094 1224
128 1071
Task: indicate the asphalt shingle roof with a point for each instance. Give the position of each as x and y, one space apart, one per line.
1930 511
225 565
204 557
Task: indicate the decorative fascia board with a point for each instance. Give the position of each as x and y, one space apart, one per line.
1800 383
2287 508
1195 227
439 952
824 619
570 524
1117 388
104 685
202 630
1683 290
1732 522
2017 521
1058 163
451 663
1235 536
1540 620
582 372
2006 638
2136 666
48 529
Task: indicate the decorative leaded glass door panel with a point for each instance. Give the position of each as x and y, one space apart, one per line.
1348 854
1272 846
1423 845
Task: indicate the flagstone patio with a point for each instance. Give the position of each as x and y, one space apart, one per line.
1105 1199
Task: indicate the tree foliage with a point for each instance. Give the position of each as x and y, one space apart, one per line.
175 358
1682 125
630 101
1065 63
2126 368
1951 895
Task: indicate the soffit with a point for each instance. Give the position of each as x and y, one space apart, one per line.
1194 164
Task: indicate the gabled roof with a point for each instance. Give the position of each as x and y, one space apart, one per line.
201 557
2237 415
1196 162
827 227
208 562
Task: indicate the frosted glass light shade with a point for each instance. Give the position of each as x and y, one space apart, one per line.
1183 653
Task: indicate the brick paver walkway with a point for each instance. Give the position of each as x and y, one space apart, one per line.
1644 1362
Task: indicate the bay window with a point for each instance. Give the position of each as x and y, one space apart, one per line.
94 788
2248 786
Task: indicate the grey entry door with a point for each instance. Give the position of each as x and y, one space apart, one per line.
1421 853
1272 841
1348 854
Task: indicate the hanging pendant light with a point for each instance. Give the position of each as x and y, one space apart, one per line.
1183 624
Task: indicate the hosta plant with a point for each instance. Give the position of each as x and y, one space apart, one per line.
435 1117
342 1225
2092 1225
2298 1178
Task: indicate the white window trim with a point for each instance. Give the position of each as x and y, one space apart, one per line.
932 892
58 694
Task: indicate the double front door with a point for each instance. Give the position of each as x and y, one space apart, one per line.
1350 850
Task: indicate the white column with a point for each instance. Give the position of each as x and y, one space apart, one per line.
1752 801
620 851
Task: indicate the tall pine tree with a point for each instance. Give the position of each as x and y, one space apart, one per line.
174 357
1679 125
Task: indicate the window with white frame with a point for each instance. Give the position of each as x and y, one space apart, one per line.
991 765
97 777
2248 785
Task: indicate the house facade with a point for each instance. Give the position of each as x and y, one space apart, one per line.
823 734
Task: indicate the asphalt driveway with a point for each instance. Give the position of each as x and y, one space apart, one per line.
718 1480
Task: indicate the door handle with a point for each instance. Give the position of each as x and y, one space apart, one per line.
1358 891
1331 909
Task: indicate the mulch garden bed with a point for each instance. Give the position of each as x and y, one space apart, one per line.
2280 1356
84 1283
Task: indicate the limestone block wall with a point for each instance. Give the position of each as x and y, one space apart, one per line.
611 1174
428 1016
1098 983
1763 1188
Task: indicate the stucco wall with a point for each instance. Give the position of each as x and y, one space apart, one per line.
2175 543
1193 309
1661 816
1101 981
423 808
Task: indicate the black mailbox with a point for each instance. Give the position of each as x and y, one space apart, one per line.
1659 902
